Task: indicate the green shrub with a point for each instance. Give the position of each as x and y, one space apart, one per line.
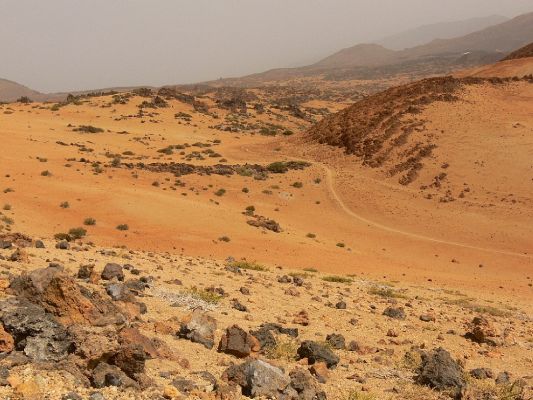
123 227
89 221
77 233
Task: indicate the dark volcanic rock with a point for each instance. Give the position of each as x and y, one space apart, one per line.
440 372
35 332
395 313
316 352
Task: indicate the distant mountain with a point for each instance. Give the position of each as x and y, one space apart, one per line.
12 91
524 52
503 38
444 30
440 56
358 55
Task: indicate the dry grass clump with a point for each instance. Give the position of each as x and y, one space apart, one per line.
285 349
337 279
386 292
250 266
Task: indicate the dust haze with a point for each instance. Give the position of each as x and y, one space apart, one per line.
65 45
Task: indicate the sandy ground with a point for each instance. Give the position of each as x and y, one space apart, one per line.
386 231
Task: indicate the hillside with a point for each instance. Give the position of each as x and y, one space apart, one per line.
443 30
524 52
359 55
502 38
438 57
11 91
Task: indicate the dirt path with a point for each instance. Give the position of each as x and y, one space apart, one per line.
347 210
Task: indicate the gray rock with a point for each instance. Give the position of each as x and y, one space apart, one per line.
96 396
35 332
481 373
440 372
503 378
63 245
110 375
39 244
395 313
315 352
119 292
257 378
199 327
336 341
305 385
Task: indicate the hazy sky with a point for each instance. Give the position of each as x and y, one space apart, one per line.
66 45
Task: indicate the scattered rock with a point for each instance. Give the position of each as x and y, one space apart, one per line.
112 271
440 372
199 327
238 342
315 352
395 313
481 373
336 341
482 331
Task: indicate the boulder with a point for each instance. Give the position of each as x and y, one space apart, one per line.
37 333
199 327
316 352
60 295
112 271
258 378
440 372
239 343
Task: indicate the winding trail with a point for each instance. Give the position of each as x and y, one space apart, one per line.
331 187
347 210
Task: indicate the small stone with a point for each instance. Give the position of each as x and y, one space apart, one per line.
395 313
336 341
63 245
341 305
481 373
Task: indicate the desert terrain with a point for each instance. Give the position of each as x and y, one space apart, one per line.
381 230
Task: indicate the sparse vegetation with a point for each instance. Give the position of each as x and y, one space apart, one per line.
123 227
246 265
89 221
88 129
337 279
77 233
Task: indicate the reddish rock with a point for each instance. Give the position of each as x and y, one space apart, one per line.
7 343
238 342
